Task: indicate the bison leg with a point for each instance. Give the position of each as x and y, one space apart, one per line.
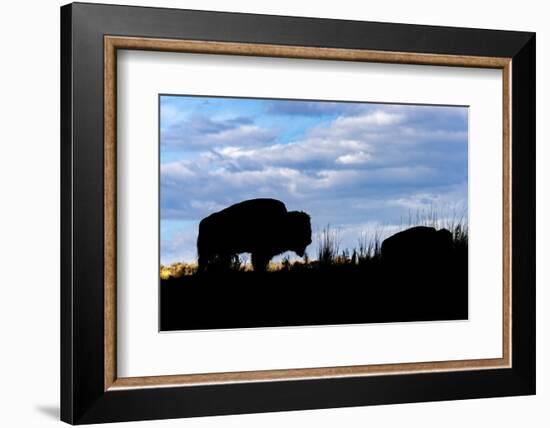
225 261
260 261
214 262
203 263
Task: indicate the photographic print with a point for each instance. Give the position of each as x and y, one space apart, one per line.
286 212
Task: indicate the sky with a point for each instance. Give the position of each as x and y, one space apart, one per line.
355 167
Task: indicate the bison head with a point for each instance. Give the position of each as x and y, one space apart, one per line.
298 227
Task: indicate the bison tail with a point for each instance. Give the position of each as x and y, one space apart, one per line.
203 251
200 249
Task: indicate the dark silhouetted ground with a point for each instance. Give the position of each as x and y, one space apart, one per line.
343 291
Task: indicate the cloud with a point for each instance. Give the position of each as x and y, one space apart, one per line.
200 132
354 158
310 108
367 121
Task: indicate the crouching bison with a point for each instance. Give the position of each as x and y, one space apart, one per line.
420 246
262 227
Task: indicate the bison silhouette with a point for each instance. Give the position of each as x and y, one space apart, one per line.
421 246
262 227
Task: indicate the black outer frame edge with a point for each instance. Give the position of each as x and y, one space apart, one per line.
83 398
301 31
168 403
66 306
524 213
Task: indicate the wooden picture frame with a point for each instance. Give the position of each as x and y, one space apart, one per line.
91 390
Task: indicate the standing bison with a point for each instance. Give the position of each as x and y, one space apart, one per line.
262 227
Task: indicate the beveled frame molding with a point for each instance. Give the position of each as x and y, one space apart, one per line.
113 43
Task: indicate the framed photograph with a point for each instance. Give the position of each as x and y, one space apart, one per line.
265 213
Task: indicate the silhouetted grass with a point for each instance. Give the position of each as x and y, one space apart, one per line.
328 252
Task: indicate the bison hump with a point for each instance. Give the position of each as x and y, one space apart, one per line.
259 205
261 215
